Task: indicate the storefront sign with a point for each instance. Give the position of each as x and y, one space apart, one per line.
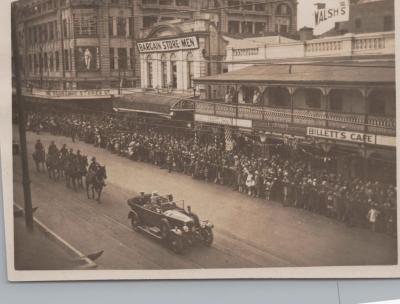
355 137
226 121
327 14
168 45
282 127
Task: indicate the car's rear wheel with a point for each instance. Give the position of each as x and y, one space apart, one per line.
208 236
176 243
165 229
135 221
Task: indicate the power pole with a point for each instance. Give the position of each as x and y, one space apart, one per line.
21 122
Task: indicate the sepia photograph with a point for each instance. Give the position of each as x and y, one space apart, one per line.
207 139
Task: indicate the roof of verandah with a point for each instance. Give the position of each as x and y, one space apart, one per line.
308 73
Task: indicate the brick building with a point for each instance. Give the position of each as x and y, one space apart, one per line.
367 16
87 44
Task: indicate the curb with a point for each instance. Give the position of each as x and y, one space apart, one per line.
89 264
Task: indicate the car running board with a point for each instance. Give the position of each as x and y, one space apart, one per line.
151 231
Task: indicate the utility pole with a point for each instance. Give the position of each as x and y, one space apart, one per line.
21 122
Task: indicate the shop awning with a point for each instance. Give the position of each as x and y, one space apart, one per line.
306 73
152 103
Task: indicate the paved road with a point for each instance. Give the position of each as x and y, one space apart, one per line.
248 232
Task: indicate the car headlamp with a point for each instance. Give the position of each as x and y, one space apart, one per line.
185 228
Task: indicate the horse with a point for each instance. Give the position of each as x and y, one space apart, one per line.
82 171
39 157
71 173
96 181
52 163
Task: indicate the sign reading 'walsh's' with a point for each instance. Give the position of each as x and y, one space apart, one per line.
168 45
327 14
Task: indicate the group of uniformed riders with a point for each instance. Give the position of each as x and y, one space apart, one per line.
64 162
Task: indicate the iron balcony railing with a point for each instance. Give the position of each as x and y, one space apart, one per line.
376 124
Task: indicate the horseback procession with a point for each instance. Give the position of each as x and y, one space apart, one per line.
74 168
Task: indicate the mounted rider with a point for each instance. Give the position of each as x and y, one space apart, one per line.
52 150
94 166
39 146
64 150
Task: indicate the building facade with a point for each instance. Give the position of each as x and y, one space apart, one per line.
77 44
236 16
85 44
367 16
342 114
173 53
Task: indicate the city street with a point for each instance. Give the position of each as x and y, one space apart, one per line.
249 232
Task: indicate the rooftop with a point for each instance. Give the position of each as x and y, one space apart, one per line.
317 73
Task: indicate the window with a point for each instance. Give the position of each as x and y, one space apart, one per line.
85 25
132 58
283 10
358 23
121 26
388 24
283 28
248 6
30 63
122 59
182 2
164 74
166 2
148 21
110 26
51 62
149 71
259 7
65 28
51 31
234 4
40 63
233 27
247 27
190 70
259 27
174 76
45 32
66 60
131 27
35 63
46 62
57 55
112 59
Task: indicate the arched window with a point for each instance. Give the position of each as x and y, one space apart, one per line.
283 10
190 70
164 74
149 64
174 76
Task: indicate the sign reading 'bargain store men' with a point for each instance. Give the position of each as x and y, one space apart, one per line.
168 45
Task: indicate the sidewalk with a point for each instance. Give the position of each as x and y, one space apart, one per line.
38 250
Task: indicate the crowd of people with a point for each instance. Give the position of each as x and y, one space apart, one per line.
288 180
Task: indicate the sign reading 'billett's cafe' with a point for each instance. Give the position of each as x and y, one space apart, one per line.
168 45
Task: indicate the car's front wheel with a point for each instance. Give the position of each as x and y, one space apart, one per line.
164 229
208 236
135 221
176 243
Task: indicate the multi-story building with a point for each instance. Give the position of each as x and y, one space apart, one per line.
72 45
236 16
76 44
367 16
